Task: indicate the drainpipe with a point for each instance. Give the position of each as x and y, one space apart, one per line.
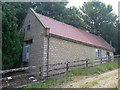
48 36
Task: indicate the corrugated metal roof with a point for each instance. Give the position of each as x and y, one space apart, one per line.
68 31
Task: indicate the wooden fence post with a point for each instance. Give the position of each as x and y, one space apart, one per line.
67 66
87 62
101 60
107 58
110 58
40 72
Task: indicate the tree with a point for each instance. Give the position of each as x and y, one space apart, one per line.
100 20
59 11
11 46
72 17
53 9
118 47
21 10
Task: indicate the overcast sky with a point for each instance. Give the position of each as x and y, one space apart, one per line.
78 3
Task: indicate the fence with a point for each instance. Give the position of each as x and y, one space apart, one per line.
21 76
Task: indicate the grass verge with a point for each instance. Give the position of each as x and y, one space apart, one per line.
76 71
96 69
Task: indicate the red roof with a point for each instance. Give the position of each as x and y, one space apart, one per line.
68 31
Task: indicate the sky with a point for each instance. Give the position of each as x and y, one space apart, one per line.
78 3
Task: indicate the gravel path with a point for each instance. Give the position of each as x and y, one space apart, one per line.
105 80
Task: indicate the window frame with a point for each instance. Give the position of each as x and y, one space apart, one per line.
98 52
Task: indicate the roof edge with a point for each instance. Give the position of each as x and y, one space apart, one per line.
106 42
33 11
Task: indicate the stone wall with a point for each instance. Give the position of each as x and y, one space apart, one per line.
37 48
62 51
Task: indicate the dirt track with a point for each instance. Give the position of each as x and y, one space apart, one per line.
106 80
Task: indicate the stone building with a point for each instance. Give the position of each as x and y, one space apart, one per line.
50 41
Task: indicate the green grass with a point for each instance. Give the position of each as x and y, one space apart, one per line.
51 81
75 72
96 69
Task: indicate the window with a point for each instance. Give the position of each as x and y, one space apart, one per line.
98 52
29 41
28 27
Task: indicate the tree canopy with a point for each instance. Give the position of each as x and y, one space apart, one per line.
100 20
10 38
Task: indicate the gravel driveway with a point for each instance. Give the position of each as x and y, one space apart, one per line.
105 80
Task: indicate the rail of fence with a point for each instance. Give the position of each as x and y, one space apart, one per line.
21 79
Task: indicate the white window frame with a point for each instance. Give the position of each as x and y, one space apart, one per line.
98 53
